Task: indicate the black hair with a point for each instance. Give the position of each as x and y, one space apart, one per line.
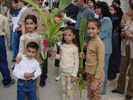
131 6
85 1
16 1
104 9
33 45
115 8
23 2
96 21
32 17
46 3
117 1
74 31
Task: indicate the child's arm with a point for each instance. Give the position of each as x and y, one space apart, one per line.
37 71
17 72
76 60
21 46
56 56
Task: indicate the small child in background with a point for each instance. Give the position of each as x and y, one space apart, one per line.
94 61
26 72
69 62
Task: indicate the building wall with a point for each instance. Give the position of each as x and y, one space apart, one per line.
124 4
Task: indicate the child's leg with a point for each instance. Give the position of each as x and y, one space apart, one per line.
97 92
70 88
89 91
32 90
37 88
63 81
20 90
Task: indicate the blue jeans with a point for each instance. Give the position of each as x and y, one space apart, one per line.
3 62
15 43
11 31
26 86
106 66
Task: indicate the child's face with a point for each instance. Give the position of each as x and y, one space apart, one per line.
19 4
31 52
112 11
99 11
14 5
92 29
69 36
90 4
30 26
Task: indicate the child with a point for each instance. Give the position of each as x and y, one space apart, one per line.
114 61
31 35
69 62
26 72
94 61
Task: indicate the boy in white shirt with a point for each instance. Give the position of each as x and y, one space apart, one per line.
26 72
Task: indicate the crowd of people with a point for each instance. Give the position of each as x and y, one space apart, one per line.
108 48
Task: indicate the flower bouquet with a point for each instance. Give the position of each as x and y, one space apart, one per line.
52 34
81 82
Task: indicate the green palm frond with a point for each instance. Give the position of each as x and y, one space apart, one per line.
82 32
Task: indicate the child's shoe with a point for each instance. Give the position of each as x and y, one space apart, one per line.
57 78
8 85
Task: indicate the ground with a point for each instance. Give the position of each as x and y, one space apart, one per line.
52 90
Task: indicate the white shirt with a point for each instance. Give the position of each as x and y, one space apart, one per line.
29 66
15 20
30 36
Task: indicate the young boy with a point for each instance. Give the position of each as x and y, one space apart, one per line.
26 72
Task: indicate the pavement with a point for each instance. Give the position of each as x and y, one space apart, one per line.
52 89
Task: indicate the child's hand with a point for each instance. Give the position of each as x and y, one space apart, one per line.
87 54
27 75
47 48
82 55
85 45
18 59
74 79
53 53
94 84
32 74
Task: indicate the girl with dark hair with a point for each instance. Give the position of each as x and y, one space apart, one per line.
114 62
92 6
105 34
31 35
69 62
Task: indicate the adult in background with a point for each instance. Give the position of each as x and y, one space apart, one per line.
4 33
105 34
117 3
126 58
92 6
84 11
